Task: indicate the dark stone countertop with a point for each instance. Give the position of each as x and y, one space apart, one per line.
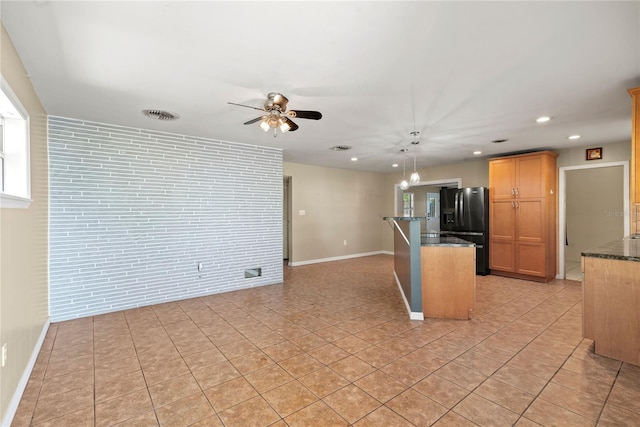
405 218
627 249
432 239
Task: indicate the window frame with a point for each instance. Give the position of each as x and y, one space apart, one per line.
8 200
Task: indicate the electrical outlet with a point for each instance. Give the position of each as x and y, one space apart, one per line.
345 243
4 354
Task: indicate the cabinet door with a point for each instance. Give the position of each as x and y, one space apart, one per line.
502 235
531 259
635 146
530 177
502 220
502 255
530 221
502 173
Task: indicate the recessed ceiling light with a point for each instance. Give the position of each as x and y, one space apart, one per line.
543 119
354 159
395 165
574 137
477 152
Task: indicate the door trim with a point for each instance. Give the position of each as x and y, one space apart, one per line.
562 204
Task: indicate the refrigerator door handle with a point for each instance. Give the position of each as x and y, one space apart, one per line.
455 209
462 209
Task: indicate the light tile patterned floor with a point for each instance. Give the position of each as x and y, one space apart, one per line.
573 270
333 346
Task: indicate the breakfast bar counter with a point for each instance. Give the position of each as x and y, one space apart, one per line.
435 273
611 299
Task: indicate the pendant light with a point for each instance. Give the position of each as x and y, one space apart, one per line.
414 178
404 185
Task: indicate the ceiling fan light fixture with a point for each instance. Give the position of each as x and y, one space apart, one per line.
276 114
284 126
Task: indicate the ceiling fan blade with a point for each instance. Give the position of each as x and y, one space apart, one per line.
314 115
257 119
292 126
246 106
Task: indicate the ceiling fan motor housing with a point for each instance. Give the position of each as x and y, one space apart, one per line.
276 101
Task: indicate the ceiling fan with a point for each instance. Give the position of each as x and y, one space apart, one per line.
277 116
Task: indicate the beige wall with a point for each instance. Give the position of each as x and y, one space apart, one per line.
589 194
24 305
339 205
614 152
594 209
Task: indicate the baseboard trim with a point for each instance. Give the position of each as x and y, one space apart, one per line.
413 315
337 258
22 384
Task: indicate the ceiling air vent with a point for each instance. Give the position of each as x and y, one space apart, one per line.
161 115
341 148
499 141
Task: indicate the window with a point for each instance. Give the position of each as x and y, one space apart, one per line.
407 204
15 186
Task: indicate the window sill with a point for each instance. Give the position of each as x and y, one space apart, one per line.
7 201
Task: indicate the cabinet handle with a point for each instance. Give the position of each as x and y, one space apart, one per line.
513 191
516 192
513 204
517 205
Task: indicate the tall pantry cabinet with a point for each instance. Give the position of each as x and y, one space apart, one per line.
522 216
635 160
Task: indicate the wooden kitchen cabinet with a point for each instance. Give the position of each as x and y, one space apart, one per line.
448 281
522 218
611 302
635 159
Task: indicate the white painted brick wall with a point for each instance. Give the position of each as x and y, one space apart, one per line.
133 211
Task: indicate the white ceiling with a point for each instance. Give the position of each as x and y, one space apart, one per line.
461 73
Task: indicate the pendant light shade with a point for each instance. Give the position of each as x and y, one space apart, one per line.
404 185
415 178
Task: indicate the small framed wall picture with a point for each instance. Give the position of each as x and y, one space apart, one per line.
594 153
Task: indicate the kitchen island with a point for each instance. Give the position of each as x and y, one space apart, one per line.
611 299
435 273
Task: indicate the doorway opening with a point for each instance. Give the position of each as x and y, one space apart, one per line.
425 201
593 210
286 218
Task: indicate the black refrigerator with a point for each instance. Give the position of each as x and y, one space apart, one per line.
464 213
